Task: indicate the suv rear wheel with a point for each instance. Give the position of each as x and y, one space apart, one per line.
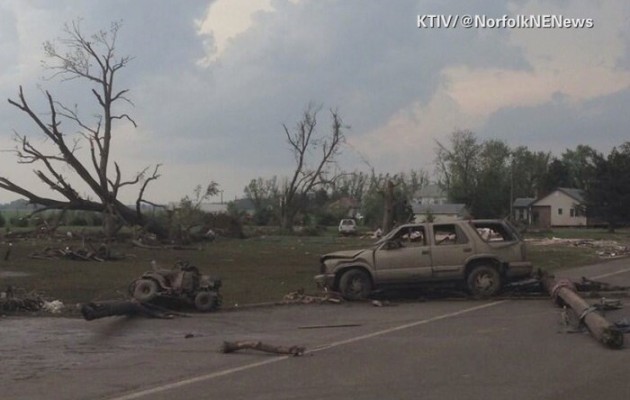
355 284
484 281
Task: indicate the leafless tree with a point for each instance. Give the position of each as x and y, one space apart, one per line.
93 60
458 166
309 174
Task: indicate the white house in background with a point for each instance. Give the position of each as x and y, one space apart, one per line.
439 212
430 194
562 207
214 208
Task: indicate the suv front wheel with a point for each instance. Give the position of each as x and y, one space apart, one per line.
483 281
355 284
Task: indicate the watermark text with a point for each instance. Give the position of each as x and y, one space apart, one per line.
475 21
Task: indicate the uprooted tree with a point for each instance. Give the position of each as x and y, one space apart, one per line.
90 59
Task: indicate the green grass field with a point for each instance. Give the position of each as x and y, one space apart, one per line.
259 269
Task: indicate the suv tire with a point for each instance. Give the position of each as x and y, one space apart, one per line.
355 284
483 281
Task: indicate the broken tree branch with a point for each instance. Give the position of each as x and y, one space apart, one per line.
230 347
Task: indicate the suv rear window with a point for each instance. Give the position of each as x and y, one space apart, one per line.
448 234
494 232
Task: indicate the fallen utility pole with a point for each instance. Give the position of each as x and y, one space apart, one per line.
563 292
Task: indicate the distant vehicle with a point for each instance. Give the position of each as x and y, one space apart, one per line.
480 255
182 283
347 227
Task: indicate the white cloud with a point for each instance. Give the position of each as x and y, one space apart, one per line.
561 61
408 139
225 20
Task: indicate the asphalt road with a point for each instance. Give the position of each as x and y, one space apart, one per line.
501 349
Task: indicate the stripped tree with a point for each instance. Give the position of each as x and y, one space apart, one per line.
309 174
90 59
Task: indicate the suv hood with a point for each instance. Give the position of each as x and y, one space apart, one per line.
344 254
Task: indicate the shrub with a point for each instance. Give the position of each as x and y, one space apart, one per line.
78 220
18 222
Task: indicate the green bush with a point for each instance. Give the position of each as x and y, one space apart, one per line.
2 221
78 220
18 222
97 219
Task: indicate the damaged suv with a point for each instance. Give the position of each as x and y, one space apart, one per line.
478 255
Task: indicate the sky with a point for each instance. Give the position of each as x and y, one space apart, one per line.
212 82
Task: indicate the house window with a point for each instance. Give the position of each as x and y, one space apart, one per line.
572 212
559 211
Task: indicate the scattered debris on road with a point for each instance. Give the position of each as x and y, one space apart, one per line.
299 297
230 347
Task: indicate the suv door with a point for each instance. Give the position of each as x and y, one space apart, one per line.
450 249
404 257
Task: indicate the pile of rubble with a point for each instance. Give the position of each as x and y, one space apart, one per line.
18 300
100 254
299 297
603 248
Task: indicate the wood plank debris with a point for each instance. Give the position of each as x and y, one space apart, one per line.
230 347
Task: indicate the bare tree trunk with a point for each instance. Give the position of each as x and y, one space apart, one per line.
388 212
93 59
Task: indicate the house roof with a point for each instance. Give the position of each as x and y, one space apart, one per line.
432 190
575 194
458 209
523 202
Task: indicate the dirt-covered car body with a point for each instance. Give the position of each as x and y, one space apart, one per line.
183 282
481 255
